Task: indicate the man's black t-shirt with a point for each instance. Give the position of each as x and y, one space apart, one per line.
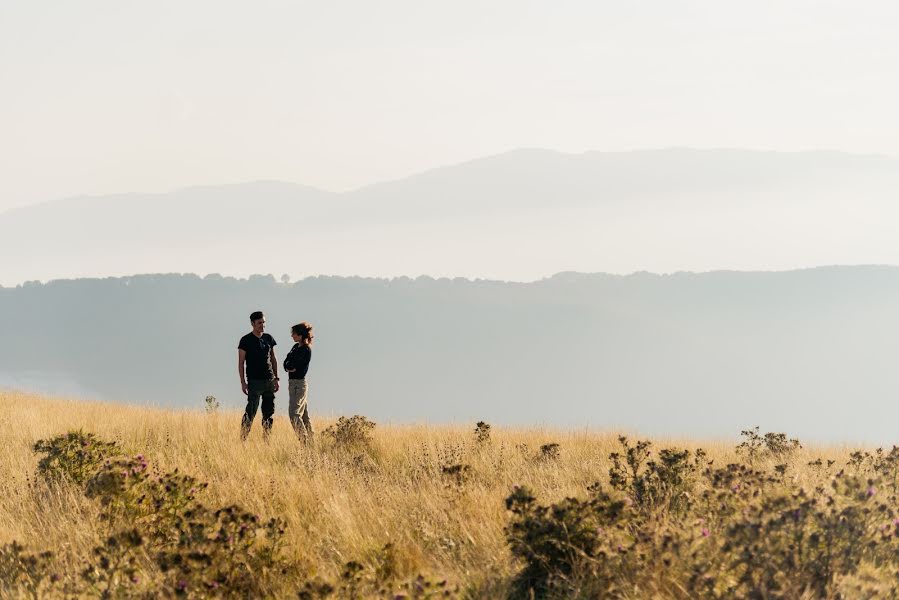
258 349
298 358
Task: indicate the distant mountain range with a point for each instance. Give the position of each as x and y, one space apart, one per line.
519 215
811 352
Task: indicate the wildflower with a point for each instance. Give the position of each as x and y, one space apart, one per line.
705 532
871 491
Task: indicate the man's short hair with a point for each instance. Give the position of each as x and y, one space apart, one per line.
256 315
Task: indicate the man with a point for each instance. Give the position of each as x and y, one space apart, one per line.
256 350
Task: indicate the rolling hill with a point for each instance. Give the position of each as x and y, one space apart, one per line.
521 215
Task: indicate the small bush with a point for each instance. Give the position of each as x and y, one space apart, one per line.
482 432
381 580
664 483
228 551
422 588
114 566
353 432
456 475
74 456
212 405
560 541
880 463
550 452
770 445
129 492
198 552
24 573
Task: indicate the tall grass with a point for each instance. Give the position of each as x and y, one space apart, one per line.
435 494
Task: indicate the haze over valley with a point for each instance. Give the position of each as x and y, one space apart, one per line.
809 352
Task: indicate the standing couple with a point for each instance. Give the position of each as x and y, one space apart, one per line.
258 370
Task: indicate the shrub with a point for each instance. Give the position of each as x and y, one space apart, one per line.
456 475
883 464
664 483
74 456
24 573
422 588
212 405
482 432
198 551
550 452
128 492
791 545
228 551
380 580
315 589
559 541
771 445
113 568
353 432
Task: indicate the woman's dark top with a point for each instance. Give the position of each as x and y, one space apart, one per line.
298 358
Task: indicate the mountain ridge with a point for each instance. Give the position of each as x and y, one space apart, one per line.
518 215
879 157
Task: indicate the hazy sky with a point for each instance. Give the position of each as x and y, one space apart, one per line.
116 95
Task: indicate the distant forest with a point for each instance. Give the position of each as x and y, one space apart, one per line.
811 352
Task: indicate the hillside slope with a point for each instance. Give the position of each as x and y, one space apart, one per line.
422 500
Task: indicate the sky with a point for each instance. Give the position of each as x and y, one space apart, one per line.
106 96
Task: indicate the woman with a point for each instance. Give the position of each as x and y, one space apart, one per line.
297 364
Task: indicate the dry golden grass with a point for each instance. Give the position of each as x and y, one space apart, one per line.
337 509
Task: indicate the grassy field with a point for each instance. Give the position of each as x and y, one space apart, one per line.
672 525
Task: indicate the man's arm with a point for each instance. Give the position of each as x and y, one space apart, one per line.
241 359
271 357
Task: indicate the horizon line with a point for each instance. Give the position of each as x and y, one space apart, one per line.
426 277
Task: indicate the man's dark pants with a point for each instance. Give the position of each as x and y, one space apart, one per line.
256 388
